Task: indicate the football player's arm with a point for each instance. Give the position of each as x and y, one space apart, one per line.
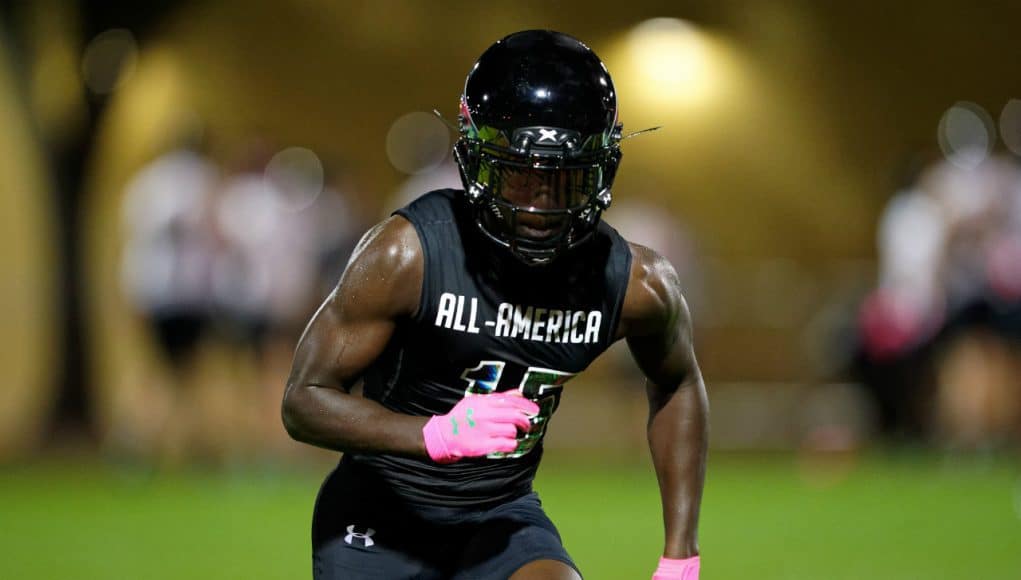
350 330
658 331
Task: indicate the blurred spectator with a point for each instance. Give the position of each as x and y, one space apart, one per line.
237 262
282 234
979 384
265 267
897 322
167 273
939 335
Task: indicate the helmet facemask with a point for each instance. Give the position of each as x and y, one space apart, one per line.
537 199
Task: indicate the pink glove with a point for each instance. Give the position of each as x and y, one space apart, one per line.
478 425
671 569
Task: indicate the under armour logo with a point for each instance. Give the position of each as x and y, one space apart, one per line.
366 538
547 135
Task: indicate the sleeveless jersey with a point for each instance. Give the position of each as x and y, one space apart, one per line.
487 323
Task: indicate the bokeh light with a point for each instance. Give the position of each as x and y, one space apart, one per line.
297 173
966 134
1010 125
108 60
417 142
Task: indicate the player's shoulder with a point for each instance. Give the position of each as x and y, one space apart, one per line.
387 265
650 271
654 295
391 243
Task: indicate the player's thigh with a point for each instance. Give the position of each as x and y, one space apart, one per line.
358 534
340 560
546 570
516 538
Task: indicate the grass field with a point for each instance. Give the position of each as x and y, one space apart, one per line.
764 517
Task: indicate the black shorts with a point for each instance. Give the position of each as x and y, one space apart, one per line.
178 334
361 529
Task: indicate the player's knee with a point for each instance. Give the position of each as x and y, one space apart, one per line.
546 570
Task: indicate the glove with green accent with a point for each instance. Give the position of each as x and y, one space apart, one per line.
478 425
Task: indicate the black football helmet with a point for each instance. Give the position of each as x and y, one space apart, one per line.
539 143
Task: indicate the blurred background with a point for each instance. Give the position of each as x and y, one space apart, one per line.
838 187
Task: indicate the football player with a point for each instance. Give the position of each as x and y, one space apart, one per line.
466 314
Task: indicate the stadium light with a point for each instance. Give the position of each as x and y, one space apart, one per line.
672 60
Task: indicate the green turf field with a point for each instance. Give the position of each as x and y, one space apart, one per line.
764 517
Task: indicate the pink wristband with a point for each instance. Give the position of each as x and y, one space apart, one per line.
434 444
673 569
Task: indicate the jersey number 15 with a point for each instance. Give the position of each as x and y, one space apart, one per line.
543 386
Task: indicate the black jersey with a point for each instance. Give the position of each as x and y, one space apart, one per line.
487 323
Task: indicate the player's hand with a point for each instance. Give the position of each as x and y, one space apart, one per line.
478 425
673 569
